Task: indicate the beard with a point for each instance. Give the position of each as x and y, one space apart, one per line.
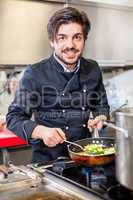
67 62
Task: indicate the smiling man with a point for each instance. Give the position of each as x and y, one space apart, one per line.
60 92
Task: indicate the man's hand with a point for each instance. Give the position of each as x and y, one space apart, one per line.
4 169
96 122
50 136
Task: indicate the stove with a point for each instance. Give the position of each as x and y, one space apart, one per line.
63 180
34 182
98 180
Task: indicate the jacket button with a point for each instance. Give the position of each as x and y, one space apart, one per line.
83 108
84 125
84 90
67 127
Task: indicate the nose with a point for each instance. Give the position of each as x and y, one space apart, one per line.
70 43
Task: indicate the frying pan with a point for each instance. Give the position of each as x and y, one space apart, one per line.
92 160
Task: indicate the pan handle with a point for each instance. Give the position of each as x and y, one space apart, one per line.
95 133
117 128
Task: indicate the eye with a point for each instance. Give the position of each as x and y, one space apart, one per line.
78 37
61 38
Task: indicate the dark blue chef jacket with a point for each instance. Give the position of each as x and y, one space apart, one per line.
57 99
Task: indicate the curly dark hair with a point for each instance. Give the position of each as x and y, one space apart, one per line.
66 16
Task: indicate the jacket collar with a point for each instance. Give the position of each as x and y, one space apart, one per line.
60 67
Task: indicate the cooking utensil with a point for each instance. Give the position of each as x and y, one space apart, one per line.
124 159
117 128
80 148
92 160
75 144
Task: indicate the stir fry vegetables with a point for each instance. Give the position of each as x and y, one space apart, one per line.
97 149
94 149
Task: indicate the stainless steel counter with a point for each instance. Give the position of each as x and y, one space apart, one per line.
45 191
19 186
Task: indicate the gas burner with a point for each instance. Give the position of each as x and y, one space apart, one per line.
99 180
118 192
92 175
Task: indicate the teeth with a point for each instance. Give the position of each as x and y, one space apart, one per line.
70 53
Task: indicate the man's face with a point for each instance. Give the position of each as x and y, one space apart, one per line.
69 43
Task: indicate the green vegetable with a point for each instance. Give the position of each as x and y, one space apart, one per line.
94 149
98 149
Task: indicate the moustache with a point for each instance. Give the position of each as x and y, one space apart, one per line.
70 49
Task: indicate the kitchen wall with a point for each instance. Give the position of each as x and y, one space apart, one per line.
113 2
23 34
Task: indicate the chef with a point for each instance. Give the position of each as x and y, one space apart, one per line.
56 95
